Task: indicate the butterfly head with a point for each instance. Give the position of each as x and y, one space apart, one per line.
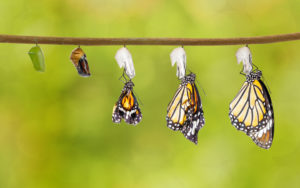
254 75
128 85
189 78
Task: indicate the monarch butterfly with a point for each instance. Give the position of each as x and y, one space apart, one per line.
78 58
185 112
251 111
127 106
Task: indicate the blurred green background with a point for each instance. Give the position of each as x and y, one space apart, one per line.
56 128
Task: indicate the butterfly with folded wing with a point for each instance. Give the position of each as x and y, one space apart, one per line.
251 111
185 111
127 107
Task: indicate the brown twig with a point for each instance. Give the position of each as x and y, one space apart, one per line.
148 41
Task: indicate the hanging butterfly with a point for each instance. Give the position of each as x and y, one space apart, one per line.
251 110
78 58
185 112
127 107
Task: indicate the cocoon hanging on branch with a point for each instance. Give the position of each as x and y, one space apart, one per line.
37 57
178 56
124 60
244 55
79 60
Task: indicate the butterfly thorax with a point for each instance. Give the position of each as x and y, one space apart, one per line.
254 75
128 86
188 79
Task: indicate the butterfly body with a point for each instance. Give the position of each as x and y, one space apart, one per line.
251 111
127 107
185 112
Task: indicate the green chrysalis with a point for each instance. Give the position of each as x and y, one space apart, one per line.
37 58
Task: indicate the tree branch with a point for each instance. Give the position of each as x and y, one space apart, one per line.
149 41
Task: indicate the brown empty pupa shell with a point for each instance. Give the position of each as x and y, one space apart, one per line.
78 58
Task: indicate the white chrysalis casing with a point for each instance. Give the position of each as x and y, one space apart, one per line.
244 54
124 60
178 56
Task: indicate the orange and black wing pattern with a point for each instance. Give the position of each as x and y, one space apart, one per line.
251 111
79 60
264 137
185 112
127 107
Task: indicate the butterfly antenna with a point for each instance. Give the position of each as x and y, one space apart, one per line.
189 70
198 83
138 99
266 83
